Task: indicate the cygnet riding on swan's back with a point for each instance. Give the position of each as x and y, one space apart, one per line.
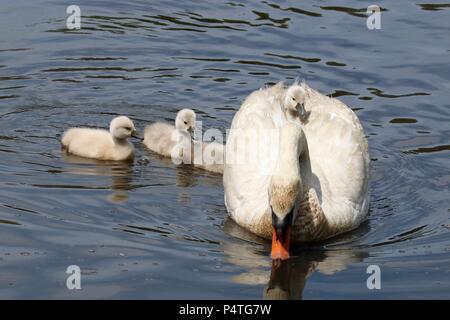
178 142
310 179
100 144
293 102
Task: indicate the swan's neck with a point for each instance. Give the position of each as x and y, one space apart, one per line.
293 165
288 158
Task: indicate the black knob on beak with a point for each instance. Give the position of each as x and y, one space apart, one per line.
280 224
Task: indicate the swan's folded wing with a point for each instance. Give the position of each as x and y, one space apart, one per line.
339 158
251 153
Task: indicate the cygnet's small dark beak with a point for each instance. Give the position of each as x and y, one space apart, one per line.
191 131
301 109
134 134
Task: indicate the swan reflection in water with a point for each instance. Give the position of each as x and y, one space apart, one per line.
120 173
285 280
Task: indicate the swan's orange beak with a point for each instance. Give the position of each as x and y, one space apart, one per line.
281 242
281 235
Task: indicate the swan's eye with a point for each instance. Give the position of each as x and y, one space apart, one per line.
293 98
185 122
127 128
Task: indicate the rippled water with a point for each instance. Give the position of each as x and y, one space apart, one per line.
155 230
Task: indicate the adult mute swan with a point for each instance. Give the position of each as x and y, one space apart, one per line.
179 144
100 144
296 176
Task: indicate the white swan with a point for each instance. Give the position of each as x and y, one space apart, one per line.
101 144
177 142
310 179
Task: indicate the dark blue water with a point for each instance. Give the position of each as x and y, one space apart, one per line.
155 230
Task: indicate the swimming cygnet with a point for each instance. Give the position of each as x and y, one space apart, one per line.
170 141
178 143
100 144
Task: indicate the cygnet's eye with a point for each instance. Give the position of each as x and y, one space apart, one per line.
293 98
185 122
127 128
